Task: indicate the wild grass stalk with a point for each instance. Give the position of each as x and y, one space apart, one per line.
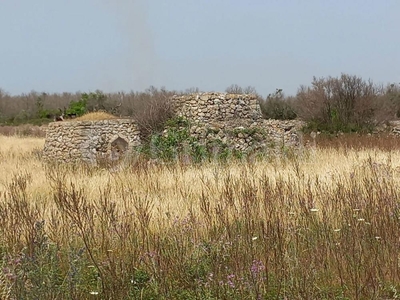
320 225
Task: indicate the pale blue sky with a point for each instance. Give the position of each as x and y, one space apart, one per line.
115 45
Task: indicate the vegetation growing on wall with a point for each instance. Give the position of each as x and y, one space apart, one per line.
175 143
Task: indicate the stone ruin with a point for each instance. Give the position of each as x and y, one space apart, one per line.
235 120
220 107
232 119
90 141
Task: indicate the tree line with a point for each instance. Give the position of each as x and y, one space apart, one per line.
345 103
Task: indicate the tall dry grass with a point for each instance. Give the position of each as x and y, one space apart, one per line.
318 224
26 130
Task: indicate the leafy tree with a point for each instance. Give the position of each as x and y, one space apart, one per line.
77 108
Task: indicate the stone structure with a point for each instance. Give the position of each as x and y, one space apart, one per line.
215 118
208 107
90 140
235 120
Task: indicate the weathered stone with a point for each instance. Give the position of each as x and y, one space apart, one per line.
68 141
212 115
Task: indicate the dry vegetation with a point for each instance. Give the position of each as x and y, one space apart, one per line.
346 103
95 116
318 224
26 130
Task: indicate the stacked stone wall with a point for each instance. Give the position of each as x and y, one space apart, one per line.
90 140
235 120
208 107
248 136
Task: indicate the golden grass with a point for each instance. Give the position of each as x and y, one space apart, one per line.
175 190
16 146
326 218
96 116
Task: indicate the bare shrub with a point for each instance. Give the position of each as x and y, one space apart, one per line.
7 130
345 103
23 130
151 110
391 100
192 90
236 89
383 141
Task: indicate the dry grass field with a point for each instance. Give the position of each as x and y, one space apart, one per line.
320 223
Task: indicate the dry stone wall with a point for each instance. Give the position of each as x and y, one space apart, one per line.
208 107
90 140
269 135
235 120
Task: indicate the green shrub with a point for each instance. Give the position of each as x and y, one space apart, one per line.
176 143
278 107
78 108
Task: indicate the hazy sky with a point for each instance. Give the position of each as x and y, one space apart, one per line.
115 45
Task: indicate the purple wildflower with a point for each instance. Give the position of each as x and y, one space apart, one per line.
230 282
257 267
